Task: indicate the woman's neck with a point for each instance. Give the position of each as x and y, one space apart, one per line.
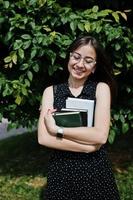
75 83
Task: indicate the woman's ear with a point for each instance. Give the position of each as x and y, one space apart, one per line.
93 70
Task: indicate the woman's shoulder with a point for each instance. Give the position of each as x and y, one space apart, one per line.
102 85
48 91
102 89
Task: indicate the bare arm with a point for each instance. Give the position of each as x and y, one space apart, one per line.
99 133
44 138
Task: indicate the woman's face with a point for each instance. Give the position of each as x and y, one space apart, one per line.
82 62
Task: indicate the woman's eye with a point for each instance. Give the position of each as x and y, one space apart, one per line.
88 61
76 57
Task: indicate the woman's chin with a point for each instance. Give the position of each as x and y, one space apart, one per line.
78 76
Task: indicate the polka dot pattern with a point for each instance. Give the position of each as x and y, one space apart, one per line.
79 176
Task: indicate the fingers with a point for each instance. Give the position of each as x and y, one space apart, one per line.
51 111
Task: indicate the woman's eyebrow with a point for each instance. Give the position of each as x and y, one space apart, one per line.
85 56
89 57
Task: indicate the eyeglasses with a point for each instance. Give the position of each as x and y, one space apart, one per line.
87 62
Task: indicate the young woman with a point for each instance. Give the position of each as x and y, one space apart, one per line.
79 167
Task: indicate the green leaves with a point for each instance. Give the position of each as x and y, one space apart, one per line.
11 59
26 37
117 46
30 75
81 26
33 52
112 135
125 127
18 100
26 44
36 67
21 53
121 122
7 90
7 59
87 26
6 4
116 16
73 25
38 33
95 9
17 44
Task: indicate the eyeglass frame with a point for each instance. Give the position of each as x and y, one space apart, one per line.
91 64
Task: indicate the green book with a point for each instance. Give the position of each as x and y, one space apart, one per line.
71 118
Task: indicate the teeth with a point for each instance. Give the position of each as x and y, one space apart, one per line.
79 71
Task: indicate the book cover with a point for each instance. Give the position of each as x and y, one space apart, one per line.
83 114
71 118
77 103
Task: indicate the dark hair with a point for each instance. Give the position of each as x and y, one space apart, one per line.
104 70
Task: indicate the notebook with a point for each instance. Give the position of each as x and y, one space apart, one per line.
86 104
71 118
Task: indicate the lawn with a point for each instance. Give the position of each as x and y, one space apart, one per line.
23 167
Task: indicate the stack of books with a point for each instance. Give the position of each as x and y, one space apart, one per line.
78 112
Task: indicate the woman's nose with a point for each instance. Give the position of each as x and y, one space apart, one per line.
81 63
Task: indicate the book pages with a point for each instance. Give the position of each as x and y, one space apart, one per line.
77 103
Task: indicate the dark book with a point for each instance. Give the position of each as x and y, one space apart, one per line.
71 118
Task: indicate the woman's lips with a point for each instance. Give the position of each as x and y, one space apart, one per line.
78 71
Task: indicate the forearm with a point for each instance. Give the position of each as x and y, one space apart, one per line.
87 135
44 138
67 145
83 142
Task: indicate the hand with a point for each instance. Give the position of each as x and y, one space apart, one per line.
50 122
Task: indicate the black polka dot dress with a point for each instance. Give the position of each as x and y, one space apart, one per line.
79 176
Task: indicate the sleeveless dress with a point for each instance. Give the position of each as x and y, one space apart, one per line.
79 176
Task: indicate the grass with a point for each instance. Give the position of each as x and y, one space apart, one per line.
121 155
23 168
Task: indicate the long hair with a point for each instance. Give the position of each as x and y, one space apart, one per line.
104 70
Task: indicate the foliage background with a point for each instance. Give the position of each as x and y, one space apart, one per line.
34 37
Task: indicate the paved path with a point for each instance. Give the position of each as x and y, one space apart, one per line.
3 130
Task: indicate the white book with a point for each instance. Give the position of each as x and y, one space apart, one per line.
77 103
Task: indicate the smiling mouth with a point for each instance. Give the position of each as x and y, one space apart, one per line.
78 71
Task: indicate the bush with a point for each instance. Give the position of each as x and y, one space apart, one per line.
34 36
